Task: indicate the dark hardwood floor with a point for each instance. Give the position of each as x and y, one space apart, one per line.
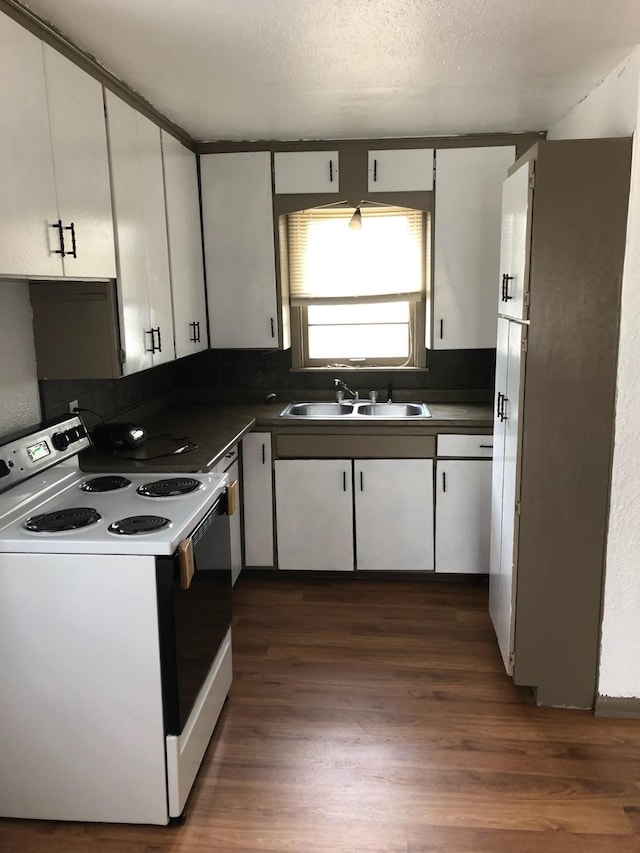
371 715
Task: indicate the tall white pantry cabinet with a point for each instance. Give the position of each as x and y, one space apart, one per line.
562 251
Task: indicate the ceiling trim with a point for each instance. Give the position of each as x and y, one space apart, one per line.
53 37
523 141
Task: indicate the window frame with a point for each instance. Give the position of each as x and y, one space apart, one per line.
300 359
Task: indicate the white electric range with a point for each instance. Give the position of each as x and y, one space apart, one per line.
116 605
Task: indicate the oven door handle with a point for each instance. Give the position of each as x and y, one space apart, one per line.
187 566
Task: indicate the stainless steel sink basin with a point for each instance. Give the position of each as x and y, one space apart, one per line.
357 409
318 410
393 410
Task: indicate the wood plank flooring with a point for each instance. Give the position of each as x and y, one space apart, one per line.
375 716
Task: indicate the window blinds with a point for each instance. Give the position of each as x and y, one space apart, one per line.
331 263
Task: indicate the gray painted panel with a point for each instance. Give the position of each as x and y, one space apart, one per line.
578 237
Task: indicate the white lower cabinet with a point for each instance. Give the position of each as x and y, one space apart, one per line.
463 515
314 508
394 514
235 527
257 495
463 503
388 502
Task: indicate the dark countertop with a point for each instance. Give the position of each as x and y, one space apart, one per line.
217 427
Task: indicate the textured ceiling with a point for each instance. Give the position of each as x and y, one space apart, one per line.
289 69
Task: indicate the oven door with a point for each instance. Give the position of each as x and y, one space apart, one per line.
195 648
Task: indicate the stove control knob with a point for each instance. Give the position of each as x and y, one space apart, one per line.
60 440
4 469
72 434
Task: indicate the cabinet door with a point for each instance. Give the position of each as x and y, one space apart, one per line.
517 201
467 245
133 303
505 487
306 172
235 527
185 246
257 497
156 245
463 515
79 142
402 170
239 246
314 514
394 514
28 207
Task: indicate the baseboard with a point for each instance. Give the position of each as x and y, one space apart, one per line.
620 707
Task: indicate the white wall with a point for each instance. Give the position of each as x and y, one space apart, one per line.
19 399
612 109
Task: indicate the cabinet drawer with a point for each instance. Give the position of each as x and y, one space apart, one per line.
465 445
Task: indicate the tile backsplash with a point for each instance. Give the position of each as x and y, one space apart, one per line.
233 374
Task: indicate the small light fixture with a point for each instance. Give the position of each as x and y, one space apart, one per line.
355 223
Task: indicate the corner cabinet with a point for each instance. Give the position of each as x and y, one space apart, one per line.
144 285
185 246
246 310
468 194
55 205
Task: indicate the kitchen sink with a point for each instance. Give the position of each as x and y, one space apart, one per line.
357 409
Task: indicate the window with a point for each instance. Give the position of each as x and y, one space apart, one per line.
357 295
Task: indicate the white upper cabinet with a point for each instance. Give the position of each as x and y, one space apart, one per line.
239 244
28 199
401 170
306 172
81 163
185 246
55 183
146 324
517 196
468 196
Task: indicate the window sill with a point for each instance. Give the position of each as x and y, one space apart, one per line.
352 369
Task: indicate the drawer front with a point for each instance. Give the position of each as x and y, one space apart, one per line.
465 445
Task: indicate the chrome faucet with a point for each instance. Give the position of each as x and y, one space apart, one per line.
338 383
